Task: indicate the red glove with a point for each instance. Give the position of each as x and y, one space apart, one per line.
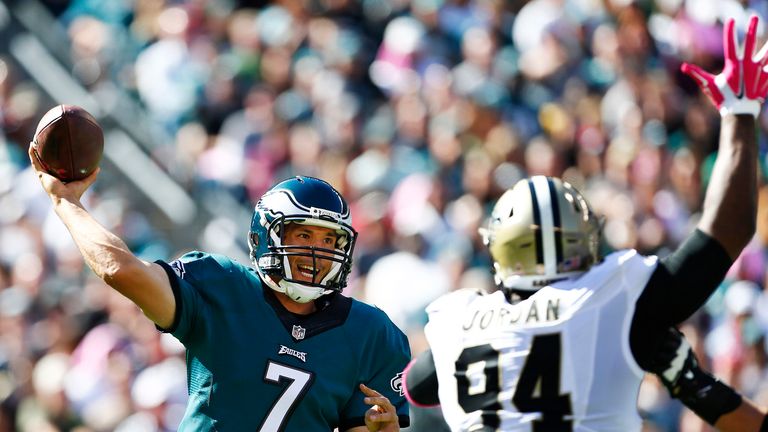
742 86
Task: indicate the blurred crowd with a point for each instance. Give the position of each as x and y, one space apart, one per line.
421 112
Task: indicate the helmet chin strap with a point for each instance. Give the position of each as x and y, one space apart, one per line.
300 293
297 292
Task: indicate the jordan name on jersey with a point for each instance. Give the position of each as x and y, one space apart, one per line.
505 315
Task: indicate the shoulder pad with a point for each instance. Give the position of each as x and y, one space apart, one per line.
458 298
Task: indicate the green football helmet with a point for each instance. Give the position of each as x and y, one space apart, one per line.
541 231
307 201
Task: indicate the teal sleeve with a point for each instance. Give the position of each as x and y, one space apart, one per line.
187 304
191 277
387 356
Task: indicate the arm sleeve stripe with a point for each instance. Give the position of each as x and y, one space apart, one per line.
176 296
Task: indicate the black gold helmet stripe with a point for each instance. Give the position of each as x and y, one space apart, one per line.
558 228
536 223
543 200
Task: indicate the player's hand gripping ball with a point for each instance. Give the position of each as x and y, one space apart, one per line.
68 142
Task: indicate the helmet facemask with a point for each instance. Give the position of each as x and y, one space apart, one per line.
276 263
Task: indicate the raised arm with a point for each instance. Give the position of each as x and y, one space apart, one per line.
685 279
738 92
144 283
730 204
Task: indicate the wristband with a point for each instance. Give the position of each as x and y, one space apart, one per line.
705 395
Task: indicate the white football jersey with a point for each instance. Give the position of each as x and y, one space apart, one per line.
559 361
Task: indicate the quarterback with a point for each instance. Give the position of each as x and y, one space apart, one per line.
563 344
272 347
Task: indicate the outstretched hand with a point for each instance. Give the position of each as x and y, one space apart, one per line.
383 415
56 188
742 86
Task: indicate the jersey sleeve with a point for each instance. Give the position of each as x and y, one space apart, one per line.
444 307
420 381
387 354
192 276
443 327
685 279
681 284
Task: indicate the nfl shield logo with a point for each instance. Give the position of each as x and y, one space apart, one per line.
298 332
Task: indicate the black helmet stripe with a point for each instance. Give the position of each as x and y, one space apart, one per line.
543 199
537 223
557 224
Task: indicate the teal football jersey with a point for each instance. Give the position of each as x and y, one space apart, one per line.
254 366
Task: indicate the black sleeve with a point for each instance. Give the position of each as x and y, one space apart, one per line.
680 285
421 381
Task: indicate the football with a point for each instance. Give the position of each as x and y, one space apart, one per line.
68 142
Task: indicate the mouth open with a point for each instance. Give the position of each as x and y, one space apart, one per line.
307 271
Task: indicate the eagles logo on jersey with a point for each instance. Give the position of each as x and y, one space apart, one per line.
541 231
